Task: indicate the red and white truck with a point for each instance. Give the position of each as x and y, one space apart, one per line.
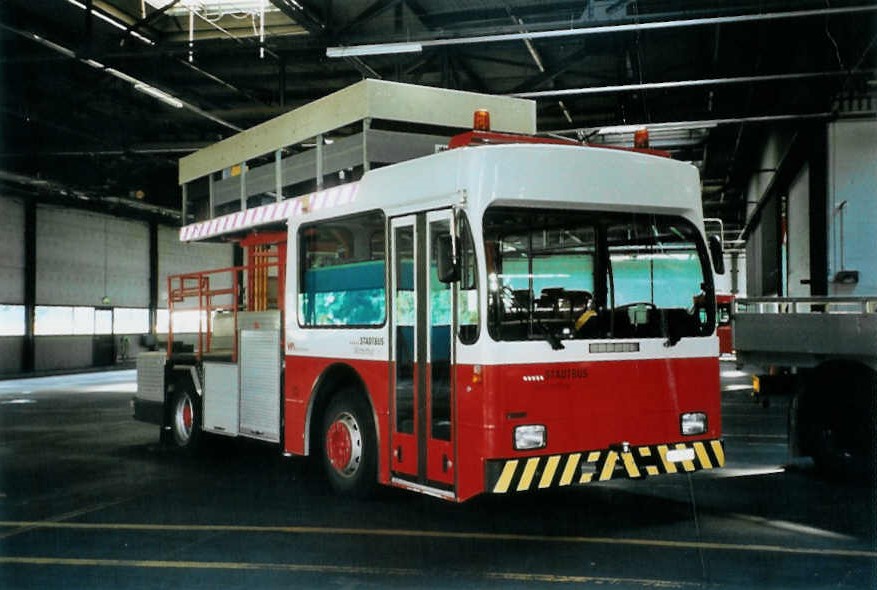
514 313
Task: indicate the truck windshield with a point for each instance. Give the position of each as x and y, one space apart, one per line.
561 275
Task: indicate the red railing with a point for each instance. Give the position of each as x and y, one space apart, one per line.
211 292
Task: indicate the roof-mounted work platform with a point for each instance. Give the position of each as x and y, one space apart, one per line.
331 141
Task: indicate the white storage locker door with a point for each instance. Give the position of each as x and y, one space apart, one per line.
221 398
260 384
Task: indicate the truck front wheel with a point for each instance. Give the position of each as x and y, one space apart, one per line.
349 446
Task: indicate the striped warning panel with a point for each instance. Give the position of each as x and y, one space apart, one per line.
270 213
532 473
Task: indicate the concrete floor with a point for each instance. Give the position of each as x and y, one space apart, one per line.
88 499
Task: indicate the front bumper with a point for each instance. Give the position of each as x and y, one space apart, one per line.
551 471
148 411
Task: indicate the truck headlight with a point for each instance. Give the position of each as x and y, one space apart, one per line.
530 436
692 423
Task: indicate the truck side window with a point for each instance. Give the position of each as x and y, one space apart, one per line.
343 272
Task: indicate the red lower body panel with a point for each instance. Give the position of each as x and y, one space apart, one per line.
593 407
583 406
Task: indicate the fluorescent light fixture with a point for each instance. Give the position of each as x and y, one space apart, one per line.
159 94
655 127
381 49
618 129
119 25
220 7
682 84
389 48
123 76
53 46
95 64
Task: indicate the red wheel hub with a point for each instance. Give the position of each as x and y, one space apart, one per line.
339 446
187 415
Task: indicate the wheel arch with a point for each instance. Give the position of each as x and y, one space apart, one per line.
334 378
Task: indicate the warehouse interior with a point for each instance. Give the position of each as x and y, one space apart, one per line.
429 294
773 102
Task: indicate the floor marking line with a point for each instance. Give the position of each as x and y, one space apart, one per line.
316 530
29 526
333 569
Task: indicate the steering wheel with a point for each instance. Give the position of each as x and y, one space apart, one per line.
585 313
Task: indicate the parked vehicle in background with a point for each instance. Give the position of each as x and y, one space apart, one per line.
724 316
823 352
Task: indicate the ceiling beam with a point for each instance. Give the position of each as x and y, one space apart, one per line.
686 83
551 73
136 83
638 26
150 17
299 13
371 12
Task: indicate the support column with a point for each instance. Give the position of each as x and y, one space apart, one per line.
153 277
28 356
184 205
818 212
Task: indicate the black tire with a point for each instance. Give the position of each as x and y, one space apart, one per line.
348 445
836 414
184 421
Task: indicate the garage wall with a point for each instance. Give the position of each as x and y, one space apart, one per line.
763 269
11 349
175 257
12 247
852 171
83 256
798 238
60 353
11 276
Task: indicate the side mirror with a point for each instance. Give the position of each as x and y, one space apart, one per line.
446 262
716 254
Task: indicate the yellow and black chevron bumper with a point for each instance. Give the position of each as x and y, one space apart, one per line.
531 473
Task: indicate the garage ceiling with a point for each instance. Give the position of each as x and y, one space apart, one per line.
101 97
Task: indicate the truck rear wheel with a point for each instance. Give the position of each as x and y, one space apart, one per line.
185 420
837 412
349 448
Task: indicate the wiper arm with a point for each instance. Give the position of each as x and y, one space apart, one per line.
668 329
672 340
552 338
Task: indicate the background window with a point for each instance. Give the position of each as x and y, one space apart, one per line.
12 320
83 321
129 320
53 320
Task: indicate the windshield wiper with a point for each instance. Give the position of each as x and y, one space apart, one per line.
550 336
669 330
